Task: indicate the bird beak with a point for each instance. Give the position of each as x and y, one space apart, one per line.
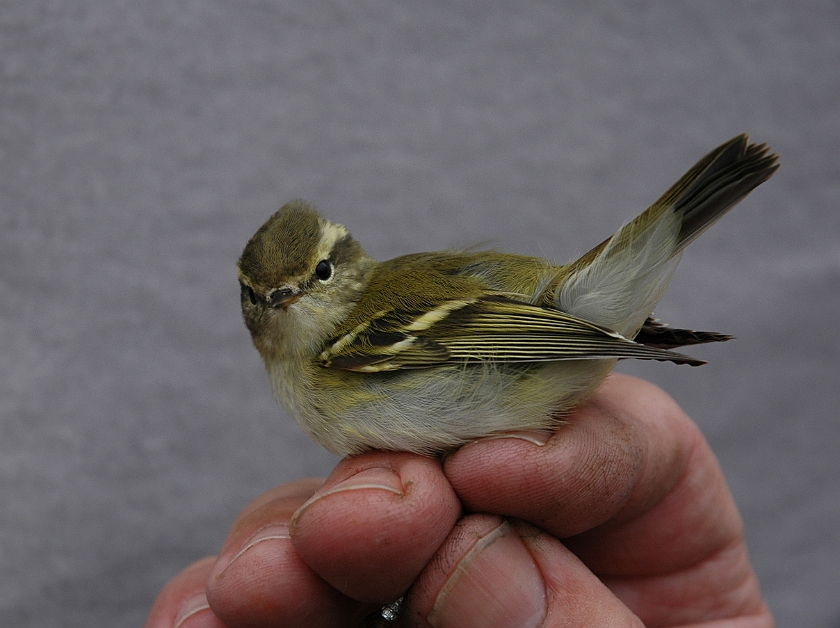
284 297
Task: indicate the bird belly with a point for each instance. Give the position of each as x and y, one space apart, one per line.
431 410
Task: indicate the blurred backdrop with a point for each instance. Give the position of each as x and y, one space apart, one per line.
142 143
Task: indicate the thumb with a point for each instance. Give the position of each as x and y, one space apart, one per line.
496 573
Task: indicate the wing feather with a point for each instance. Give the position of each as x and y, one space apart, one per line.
489 328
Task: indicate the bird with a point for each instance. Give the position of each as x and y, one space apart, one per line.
428 351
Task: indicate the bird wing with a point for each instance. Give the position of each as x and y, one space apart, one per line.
491 328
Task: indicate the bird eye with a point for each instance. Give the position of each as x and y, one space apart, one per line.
249 292
323 270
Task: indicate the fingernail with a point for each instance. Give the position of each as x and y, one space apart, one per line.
537 437
191 607
268 533
496 584
381 478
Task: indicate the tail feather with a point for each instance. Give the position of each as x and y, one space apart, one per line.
735 169
619 282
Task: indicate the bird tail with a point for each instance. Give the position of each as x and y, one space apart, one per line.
716 184
619 282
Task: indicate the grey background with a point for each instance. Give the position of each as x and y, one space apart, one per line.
143 143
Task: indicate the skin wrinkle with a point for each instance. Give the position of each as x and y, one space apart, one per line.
596 474
735 599
649 464
737 585
459 536
592 544
692 476
539 462
612 469
644 448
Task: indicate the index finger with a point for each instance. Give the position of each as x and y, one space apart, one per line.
628 481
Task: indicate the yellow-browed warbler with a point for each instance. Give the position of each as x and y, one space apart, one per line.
428 351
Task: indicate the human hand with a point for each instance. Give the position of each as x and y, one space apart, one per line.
621 517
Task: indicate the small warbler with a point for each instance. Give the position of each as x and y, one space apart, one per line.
428 351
